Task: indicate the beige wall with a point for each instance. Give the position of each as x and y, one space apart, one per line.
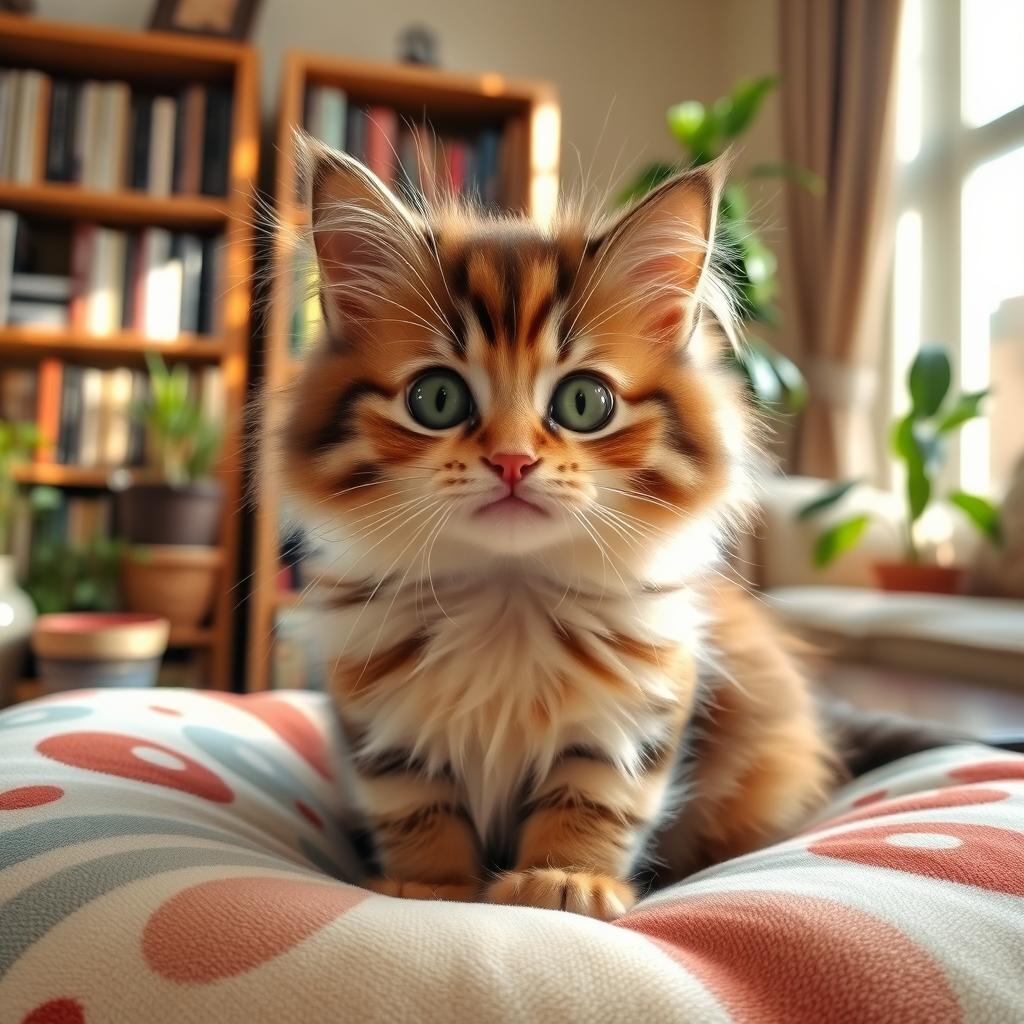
614 61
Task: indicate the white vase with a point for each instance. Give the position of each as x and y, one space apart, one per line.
17 616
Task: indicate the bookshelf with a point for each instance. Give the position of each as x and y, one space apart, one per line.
156 63
527 116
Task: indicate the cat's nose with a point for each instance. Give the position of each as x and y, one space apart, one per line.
511 466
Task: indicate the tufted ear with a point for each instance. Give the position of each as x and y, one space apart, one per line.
661 246
366 240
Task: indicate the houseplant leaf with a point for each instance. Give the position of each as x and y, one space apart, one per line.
967 407
929 379
832 496
981 512
919 492
743 103
839 539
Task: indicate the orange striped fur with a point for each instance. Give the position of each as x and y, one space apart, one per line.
559 683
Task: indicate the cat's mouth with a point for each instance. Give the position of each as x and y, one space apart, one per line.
510 506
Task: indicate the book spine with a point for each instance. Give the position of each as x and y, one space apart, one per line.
84 143
381 138
90 419
191 283
142 124
8 93
83 245
8 237
190 178
217 143
161 151
209 286
130 275
355 132
32 115
59 130
69 402
48 410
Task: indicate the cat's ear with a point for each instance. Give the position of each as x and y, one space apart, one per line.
660 248
365 238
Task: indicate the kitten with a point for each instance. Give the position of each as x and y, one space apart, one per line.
523 456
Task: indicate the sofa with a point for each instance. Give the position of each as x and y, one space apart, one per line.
180 856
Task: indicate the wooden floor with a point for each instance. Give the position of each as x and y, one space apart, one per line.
987 712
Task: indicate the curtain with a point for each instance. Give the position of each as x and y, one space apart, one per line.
838 64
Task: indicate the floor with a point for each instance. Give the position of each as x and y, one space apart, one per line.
988 712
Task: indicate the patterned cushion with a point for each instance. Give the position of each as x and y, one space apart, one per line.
169 856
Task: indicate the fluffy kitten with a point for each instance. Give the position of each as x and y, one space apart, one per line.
523 457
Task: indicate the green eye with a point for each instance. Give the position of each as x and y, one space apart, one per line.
582 403
439 399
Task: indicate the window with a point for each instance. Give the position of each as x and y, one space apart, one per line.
959 251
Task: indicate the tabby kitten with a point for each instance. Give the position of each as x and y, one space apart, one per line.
522 456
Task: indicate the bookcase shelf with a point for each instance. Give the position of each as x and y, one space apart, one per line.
154 62
123 207
115 349
528 116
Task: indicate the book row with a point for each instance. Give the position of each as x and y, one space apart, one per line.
87 416
417 158
152 282
107 136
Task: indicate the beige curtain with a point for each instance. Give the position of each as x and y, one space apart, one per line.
838 64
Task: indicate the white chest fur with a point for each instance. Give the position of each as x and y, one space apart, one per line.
500 686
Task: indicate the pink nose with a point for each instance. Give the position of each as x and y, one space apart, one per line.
511 467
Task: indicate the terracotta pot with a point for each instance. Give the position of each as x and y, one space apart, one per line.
920 578
86 649
161 514
176 581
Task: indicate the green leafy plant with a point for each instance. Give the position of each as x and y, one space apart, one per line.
183 444
704 133
920 440
64 577
18 442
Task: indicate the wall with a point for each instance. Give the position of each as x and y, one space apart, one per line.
617 66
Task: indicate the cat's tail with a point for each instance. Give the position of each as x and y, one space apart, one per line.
866 739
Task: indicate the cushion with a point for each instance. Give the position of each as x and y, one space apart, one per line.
174 856
977 638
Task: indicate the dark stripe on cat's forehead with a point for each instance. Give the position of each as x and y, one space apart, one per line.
339 427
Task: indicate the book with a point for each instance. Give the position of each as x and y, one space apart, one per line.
48 409
70 415
115 417
161 146
111 136
136 428
106 283
381 137
355 132
327 118
188 176
488 149
61 132
44 315
28 143
8 243
82 243
210 285
8 90
138 155
211 394
158 306
216 143
18 387
86 113
89 422
191 250
41 287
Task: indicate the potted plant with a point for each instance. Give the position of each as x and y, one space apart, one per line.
704 133
17 614
170 519
920 440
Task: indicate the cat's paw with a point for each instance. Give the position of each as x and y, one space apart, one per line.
459 892
580 892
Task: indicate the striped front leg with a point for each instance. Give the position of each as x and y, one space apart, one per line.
583 828
426 846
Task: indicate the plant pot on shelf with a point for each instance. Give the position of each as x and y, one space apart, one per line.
17 614
176 581
161 514
86 649
920 578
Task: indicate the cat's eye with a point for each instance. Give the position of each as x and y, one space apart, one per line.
582 403
439 399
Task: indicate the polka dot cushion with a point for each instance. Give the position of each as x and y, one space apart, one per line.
169 856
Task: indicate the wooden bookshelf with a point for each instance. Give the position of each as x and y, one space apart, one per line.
418 94
156 61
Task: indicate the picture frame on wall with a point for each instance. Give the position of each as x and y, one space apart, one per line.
222 19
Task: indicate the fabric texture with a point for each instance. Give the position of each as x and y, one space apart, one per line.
838 93
174 856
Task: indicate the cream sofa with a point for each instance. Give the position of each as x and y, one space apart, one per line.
967 638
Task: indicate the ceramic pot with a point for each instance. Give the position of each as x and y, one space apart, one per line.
176 581
920 578
161 514
17 615
86 649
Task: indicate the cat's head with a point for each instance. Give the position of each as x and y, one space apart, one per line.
490 389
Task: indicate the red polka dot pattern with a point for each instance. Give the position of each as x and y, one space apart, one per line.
771 956
289 723
57 1011
218 929
989 771
956 797
978 855
29 796
115 754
